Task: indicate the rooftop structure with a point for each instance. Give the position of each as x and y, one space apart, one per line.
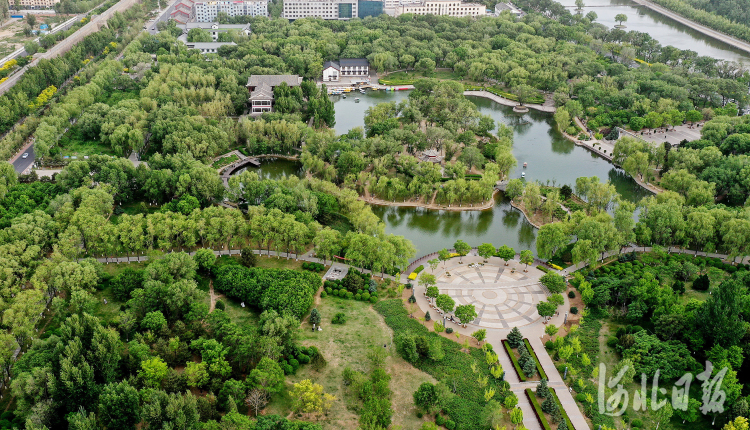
208 47
214 28
261 90
501 7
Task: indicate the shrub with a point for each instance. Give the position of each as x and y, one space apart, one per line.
303 358
701 283
450 425
357 297
294 363
419 414
349 295
542 268
637 423
220 305
573 310
439 420
549 345
373 299
366 296
323 294
339 318
427 316
572 294
448 330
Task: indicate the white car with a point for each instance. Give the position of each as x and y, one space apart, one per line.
25 155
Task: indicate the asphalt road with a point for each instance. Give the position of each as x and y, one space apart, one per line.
23 163
164 16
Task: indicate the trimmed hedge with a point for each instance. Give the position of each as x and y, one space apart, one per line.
542 268
560 407
313 267
513 358
538 410
542 373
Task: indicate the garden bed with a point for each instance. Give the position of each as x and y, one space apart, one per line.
539 369
225 161
537 409
562 410
514 359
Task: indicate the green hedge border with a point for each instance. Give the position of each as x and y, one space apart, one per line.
562 410
541 371
537 409
514 360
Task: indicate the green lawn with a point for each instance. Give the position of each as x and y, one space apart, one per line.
73 143
347 345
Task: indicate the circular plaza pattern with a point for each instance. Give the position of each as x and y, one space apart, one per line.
503 296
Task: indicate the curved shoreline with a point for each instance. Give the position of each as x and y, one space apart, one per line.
510 103
525 215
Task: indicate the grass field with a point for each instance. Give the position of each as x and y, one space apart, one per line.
347 345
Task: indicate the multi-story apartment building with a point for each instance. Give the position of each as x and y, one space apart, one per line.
326 9
36 4
442 7
207 11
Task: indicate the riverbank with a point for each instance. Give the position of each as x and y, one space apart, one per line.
710 32
481 207
507 102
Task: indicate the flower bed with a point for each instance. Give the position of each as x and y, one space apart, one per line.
537 409
513 358
225 161
536 359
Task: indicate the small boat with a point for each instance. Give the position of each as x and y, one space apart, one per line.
523 174
356 100
362 91
344 96
525 164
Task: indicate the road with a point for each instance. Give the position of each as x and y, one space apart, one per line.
21 164
164 16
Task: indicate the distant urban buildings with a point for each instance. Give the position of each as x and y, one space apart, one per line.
214 28
183 12
455 8
326 9
333 71
501 7
208 11
35 4
261 90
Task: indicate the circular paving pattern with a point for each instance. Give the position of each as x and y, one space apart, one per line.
503 298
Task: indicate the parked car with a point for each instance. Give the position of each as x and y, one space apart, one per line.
25 155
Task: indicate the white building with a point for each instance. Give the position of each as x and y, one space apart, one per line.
35 4
442 7
261 90
354 67
207 11
208 47
326 9
214 28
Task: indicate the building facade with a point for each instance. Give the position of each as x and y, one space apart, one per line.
208 47
214 28
261 90
326 9
367 8
207 11
35 4
442 7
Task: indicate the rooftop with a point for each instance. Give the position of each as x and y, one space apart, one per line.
353 62
207 45
273 80
333 64
262 91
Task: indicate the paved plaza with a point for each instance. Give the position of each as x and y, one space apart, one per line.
503 296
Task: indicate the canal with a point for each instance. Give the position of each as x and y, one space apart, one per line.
665 30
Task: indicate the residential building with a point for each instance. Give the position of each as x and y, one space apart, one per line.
214 28
501 7
183 12
261 90
442 7
36 4
326 9
207 11
208 47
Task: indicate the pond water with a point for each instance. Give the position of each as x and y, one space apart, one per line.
549 155
666 30
275 168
